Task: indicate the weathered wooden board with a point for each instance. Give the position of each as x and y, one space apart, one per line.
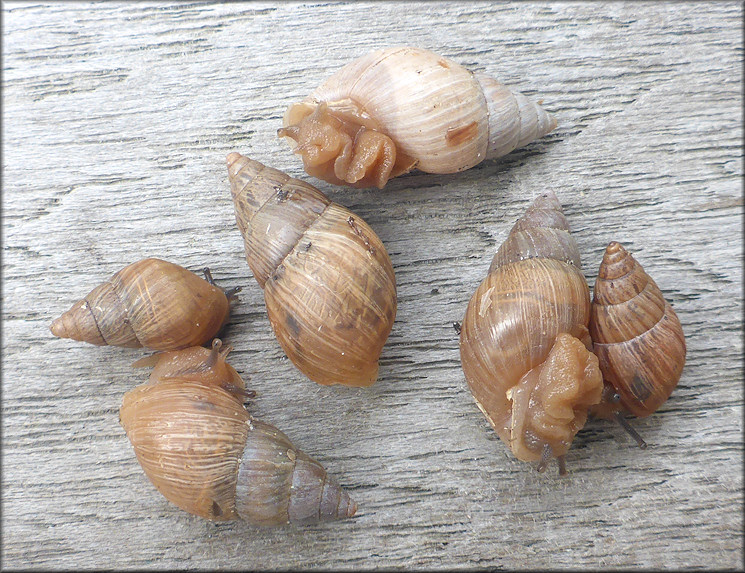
117 118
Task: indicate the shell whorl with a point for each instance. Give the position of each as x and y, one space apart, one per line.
514 120
203 451
277 483
636 335
85 320
329 285
542 231
272 210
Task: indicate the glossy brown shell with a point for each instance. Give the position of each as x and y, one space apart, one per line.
328 282
151 303
524 341
636 334
200 448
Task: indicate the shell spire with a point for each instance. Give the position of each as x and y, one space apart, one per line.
514 120
81 324
247 191
542 231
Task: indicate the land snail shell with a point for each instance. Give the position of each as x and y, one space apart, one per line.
524 342
637 338
151 303
401 108
203 451
329 285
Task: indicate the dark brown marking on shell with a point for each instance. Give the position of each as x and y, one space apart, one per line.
293 325
458 135
216 509
641 388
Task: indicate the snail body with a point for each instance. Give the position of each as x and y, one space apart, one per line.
151 303
524 343
328 282
202 450
401 108
636 335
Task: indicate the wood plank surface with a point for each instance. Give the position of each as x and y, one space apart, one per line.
117 118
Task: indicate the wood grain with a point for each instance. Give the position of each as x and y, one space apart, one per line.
117 118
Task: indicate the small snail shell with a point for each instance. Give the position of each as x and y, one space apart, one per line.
202 450
328 282
524 343
150 303
402 108
636 335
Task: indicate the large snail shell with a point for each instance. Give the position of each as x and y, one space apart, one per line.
150 303
636 335
204 453
525 347
401 108
328 282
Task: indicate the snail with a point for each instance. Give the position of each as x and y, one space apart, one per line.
151 303
401 108
203 451
637 338
328 282
524 342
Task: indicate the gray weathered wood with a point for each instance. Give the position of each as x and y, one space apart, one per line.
117 118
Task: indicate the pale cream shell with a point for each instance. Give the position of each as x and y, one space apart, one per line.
434 109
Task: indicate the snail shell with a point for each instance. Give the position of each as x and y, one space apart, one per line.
636 335
524 343
150 303
202 450
402 108
328 282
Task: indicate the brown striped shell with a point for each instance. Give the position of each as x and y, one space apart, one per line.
328 282
401 108
525 347
636 334
203 451
151 303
